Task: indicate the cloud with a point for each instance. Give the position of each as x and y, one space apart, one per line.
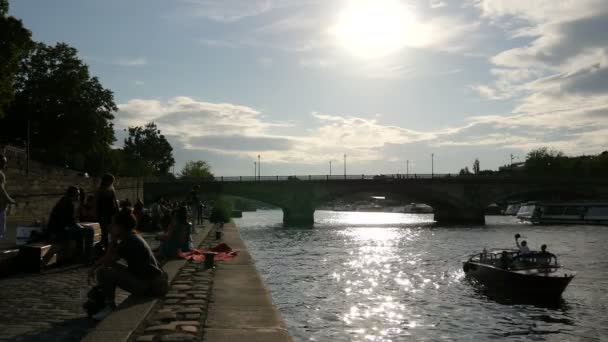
243 132
131 62
139 83
265 62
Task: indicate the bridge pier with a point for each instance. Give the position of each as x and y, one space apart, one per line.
459 216
299 216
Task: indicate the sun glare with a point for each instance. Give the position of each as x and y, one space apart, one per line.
376 28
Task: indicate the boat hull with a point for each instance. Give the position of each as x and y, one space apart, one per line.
531 284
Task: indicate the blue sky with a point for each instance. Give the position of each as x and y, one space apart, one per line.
384 81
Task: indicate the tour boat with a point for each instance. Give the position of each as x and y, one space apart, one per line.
526 211
418 208
512 209
533 275
568 213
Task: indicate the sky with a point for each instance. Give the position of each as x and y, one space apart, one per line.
302 83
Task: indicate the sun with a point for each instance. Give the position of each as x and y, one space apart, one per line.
375 28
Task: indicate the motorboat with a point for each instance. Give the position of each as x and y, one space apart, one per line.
418 208
507 271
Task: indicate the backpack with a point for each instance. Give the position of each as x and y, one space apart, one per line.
95 301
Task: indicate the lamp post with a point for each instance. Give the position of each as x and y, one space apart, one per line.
407 169
344 165
330 167
432 165
259 168
255 170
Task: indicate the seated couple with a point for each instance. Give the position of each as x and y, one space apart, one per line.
178 236
63 224
141 276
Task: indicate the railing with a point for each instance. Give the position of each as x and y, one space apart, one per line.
318 178
384 177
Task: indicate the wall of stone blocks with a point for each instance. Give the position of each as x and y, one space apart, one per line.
37 193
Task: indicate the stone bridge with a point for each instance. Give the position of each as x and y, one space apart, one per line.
455 199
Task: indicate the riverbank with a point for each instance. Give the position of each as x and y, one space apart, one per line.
241 308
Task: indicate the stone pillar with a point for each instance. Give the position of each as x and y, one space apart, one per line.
459 215
299 215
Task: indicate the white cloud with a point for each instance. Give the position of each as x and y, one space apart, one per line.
131 61
265 62
139 83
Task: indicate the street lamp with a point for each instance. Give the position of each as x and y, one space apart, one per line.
255 170
259 168
330 167
407 169
432 165
344 165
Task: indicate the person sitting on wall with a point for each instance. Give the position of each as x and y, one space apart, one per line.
63 224
142 275
178 235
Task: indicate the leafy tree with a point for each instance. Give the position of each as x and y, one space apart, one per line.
221 211
70 113
196 169
147 151
465 171
15 40
476 166
544 160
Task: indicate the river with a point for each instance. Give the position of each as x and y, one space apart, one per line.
398 277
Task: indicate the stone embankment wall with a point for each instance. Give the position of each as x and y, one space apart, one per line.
37 192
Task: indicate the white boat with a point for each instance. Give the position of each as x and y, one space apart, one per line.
526 211
512 209
418 208
570 213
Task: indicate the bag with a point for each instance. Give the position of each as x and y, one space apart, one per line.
95 301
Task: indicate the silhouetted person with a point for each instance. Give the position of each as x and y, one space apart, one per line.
142 275
63 224
5 199
523 246
106 204
87 210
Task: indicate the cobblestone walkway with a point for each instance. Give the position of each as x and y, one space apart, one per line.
181 314
46 306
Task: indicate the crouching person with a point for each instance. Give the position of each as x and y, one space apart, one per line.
142 276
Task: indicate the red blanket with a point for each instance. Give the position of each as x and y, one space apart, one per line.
223 252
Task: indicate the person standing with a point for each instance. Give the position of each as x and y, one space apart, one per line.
106 205
5 199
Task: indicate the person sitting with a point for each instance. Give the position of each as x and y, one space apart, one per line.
87 210
178 236
142 275
544 257
523 246
63 224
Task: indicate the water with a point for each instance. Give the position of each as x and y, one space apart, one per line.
398 277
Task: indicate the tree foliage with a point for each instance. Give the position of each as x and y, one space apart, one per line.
199 169
70 112
221 211
15 40
476 168
549 162
147 151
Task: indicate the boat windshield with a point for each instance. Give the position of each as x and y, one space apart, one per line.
514 260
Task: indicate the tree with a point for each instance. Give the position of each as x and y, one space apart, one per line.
196 169
544 160
15 40
465 171
69 112
476 166
148 151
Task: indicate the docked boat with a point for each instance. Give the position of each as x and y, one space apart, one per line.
418 208
526 211
532 275
512 209
595 213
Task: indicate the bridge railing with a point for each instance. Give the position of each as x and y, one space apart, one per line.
326 177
